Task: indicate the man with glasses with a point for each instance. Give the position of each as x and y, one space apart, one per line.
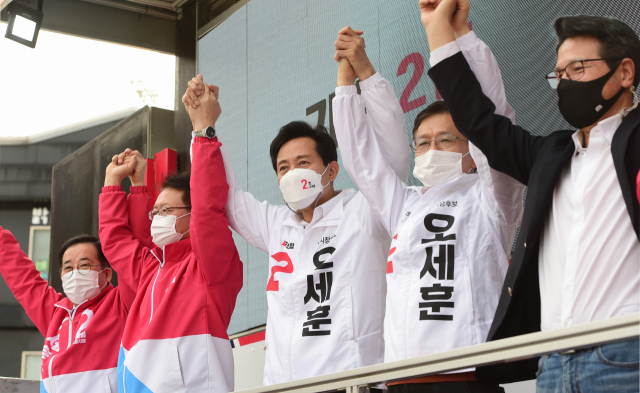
175 339
452 236
577 257
82 330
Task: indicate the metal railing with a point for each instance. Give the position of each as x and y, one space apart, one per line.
15 385
506 350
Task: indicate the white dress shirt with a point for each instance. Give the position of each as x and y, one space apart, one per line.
589 261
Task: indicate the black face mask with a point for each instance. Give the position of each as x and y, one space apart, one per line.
581 103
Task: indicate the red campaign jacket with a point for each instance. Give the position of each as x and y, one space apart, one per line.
176 334
81 348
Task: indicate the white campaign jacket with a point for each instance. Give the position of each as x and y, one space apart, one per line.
326 287
451 243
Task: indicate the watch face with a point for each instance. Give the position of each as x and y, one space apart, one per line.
210 131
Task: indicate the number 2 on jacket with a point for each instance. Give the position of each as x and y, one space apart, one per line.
274 285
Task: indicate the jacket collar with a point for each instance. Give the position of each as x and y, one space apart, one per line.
328 214
68 305
174 252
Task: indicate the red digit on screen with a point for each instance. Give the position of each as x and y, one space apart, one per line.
418 68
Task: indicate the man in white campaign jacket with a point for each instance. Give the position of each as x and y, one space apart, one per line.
327 261
452 237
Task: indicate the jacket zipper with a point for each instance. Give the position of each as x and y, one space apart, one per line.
153 288
71 314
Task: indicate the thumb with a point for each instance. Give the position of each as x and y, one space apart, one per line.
358 32
131 165
216 90
207 89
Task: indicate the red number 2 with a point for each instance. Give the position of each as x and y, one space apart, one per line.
304 187
418 69
274 285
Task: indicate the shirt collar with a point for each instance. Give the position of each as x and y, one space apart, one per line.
607 126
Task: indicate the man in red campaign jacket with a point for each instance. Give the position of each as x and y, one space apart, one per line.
176 336
81 331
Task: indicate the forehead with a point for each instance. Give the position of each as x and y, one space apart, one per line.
578 48
435 125
82 250
298 147
169 197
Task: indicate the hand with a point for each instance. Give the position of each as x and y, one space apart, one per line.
436 16
208 112
118 170
437 11
195 90
351 46
138 175
460 19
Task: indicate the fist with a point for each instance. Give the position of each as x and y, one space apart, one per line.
350 46
437 10
116 172
209 110
137 177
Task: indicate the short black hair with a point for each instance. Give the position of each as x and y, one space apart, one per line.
435 108
325 145
617 39
180 181
84 239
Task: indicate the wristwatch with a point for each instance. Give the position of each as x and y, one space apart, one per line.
208 132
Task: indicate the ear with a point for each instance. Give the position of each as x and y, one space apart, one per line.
628 72
109 273
334 168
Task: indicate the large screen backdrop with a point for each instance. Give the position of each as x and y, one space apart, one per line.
273 61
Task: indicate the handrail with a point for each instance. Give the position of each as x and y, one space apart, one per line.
506 350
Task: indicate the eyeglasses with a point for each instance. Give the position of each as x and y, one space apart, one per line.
443 141
83 269
165 210
574 71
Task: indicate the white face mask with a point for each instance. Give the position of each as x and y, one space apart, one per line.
80 287
163 230
436 167
301 187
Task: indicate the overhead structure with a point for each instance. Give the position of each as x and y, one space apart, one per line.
24 23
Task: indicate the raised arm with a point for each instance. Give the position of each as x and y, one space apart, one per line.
363 159
508 148
247 216
139 201
383 108
123 250
19 272
501 194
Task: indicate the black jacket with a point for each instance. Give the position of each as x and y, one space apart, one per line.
535 161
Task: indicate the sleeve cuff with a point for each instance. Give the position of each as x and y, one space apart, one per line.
137 190
204 139
111 188
370 81
444 52
467 41
346 90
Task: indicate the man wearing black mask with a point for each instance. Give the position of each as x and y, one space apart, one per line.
580 231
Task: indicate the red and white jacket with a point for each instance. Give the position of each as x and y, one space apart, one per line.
80 351
175 339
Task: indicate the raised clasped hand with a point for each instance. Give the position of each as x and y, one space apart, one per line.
201 102
350 46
